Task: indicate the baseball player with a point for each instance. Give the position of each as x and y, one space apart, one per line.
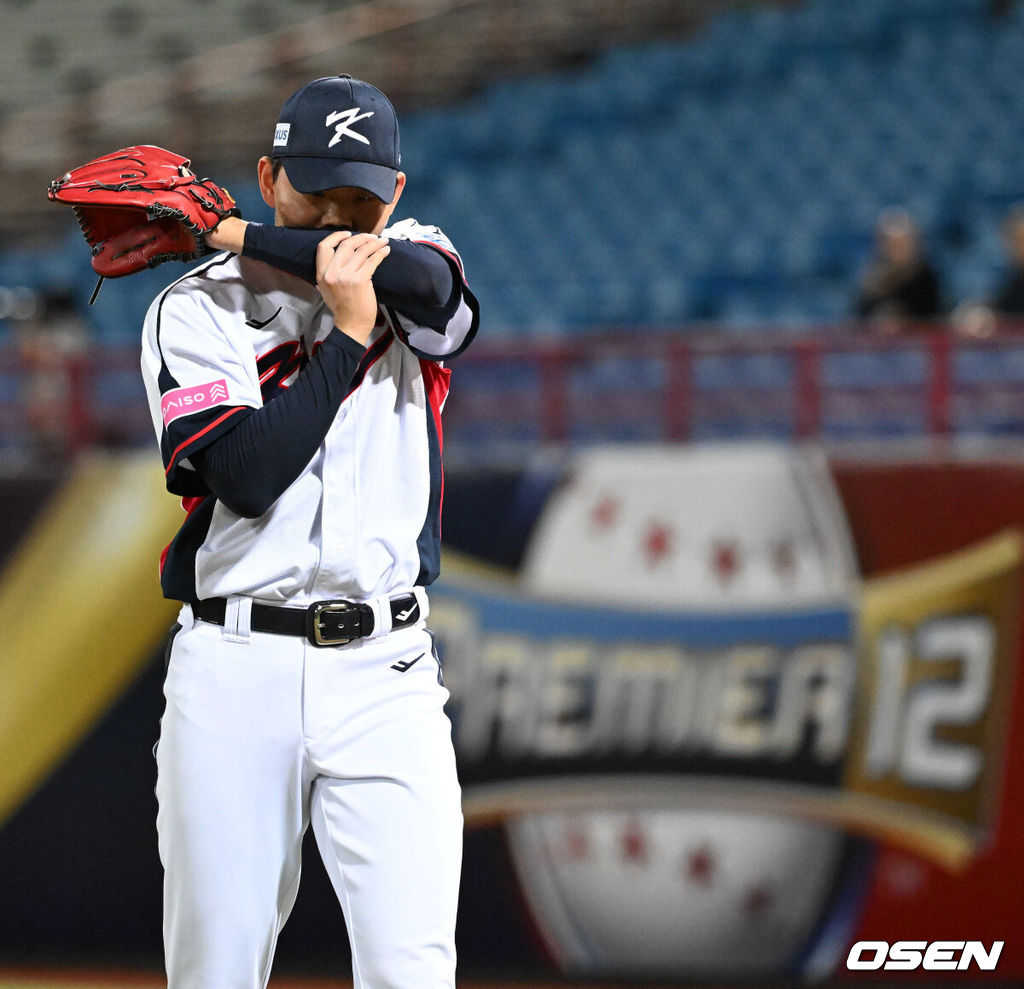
296 386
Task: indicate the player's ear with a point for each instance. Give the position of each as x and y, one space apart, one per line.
399 187
265 175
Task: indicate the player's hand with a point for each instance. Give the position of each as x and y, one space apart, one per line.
345 263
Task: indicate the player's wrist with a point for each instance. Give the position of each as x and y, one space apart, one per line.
228 235
340 340
360 335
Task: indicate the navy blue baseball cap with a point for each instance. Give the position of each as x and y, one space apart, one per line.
339 131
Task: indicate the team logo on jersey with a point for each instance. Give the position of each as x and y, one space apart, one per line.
277 367
342 121
184 401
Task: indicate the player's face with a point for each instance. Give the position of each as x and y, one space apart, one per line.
345 206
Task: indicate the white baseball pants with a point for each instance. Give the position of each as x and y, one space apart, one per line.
263 733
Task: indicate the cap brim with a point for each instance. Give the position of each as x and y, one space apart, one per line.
310 174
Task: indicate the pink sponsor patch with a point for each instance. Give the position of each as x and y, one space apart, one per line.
184 401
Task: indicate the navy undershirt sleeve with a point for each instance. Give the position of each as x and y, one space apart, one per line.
415 279
249 467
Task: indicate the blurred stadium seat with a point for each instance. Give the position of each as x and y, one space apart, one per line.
733 176
756 154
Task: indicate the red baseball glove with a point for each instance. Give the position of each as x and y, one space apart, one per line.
141 206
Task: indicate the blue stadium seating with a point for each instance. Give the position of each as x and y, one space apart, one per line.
733 176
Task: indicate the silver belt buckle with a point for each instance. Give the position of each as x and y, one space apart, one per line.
317 626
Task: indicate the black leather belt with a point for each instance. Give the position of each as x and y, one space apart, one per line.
324 623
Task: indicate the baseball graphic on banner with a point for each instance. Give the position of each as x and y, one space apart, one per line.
694 890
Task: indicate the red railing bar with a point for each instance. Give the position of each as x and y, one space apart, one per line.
552 364
679 392
808 389
81 431
940 384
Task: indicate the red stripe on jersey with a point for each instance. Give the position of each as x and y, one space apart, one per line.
428 543
437 381
374 354
446 253
202 432
189 505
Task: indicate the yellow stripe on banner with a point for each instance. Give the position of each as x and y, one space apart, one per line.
81 612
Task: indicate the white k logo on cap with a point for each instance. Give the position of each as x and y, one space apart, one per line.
343 121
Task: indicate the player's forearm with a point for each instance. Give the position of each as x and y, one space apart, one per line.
415 279
251 466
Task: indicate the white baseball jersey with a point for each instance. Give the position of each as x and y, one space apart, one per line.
363 517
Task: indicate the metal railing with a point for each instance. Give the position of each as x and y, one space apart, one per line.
833 386
632 385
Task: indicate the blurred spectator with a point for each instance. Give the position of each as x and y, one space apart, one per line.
900 289
1009 296
50 340
1005 307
